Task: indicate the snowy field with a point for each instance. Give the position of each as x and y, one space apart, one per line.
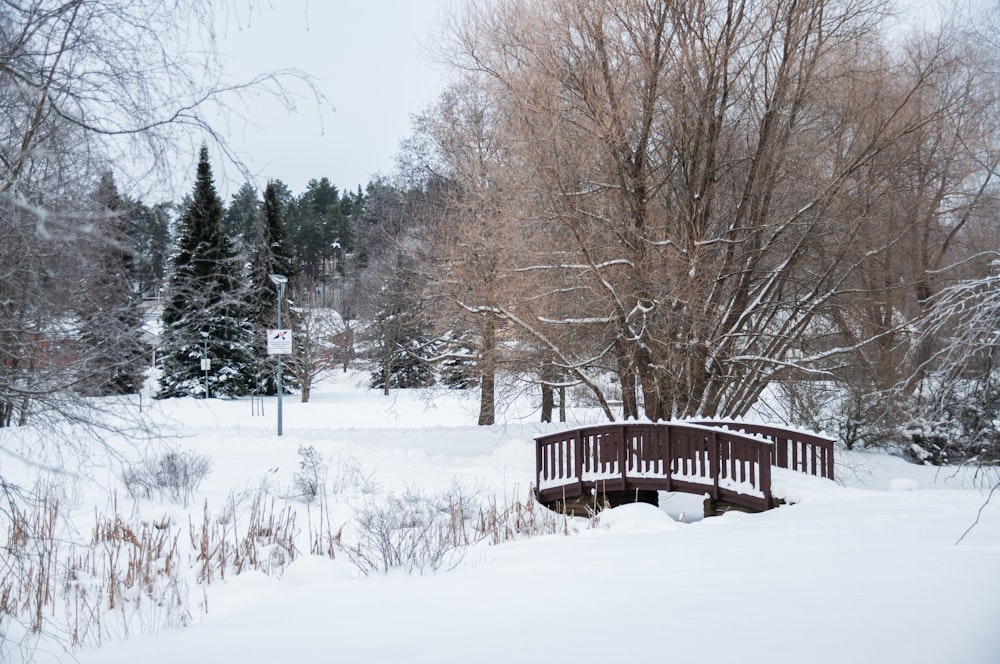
870 569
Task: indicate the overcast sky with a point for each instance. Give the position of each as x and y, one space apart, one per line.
369 57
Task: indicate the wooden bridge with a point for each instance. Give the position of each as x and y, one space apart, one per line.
729 462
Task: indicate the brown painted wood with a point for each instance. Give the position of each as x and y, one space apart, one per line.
673 457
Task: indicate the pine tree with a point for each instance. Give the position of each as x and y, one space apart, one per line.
206 303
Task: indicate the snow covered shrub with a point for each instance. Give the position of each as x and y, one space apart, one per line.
956 388
252 533
959 423
173 476
856 414
519 520
126 579
456 366
350 476
414 532
309 480
129 579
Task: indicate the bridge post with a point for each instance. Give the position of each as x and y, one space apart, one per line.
714 460
620 450
538 466
764 477
781 451
666 452
578 457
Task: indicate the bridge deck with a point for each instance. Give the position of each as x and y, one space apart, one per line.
728 461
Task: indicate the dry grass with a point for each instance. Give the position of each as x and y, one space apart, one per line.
128 576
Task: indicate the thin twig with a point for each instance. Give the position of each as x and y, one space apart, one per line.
978 514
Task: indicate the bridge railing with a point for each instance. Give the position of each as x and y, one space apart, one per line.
795 450
710 457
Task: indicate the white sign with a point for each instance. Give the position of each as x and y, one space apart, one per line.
279 342
206 364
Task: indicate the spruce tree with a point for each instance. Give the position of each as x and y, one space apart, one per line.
270 254
243 215
109 307
315 231
206 303
149 232
400 334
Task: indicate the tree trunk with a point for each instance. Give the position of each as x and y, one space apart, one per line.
487 405
653 402
306 386
626 377
487 410
548 397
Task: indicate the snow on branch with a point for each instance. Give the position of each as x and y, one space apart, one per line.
577 321
577 266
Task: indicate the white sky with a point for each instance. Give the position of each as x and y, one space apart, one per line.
369 57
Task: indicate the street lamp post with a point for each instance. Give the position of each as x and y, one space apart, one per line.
206 363
279 280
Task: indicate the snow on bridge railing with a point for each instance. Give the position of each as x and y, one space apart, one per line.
793 449
730 461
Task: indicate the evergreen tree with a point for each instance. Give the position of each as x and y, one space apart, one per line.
401 335
243 215
109 311
270 254
380 215
342 229
149 231
316 229
206 303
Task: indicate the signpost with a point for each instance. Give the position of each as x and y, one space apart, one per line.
281 339
279 342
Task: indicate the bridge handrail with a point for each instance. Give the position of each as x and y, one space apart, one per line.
729 460
795 450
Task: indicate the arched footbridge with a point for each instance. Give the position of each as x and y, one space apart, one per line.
728 462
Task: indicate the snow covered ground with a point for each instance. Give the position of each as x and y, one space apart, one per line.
866 570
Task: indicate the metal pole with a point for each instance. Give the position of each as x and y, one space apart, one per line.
205 334
281 296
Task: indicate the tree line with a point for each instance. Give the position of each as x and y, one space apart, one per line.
675 209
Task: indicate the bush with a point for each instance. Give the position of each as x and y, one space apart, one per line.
173 476
310 480
414 532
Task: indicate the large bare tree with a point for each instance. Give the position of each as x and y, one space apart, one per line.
695 180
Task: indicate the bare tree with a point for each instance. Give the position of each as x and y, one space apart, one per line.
85 84
696 177
323 339
931 193
467 203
